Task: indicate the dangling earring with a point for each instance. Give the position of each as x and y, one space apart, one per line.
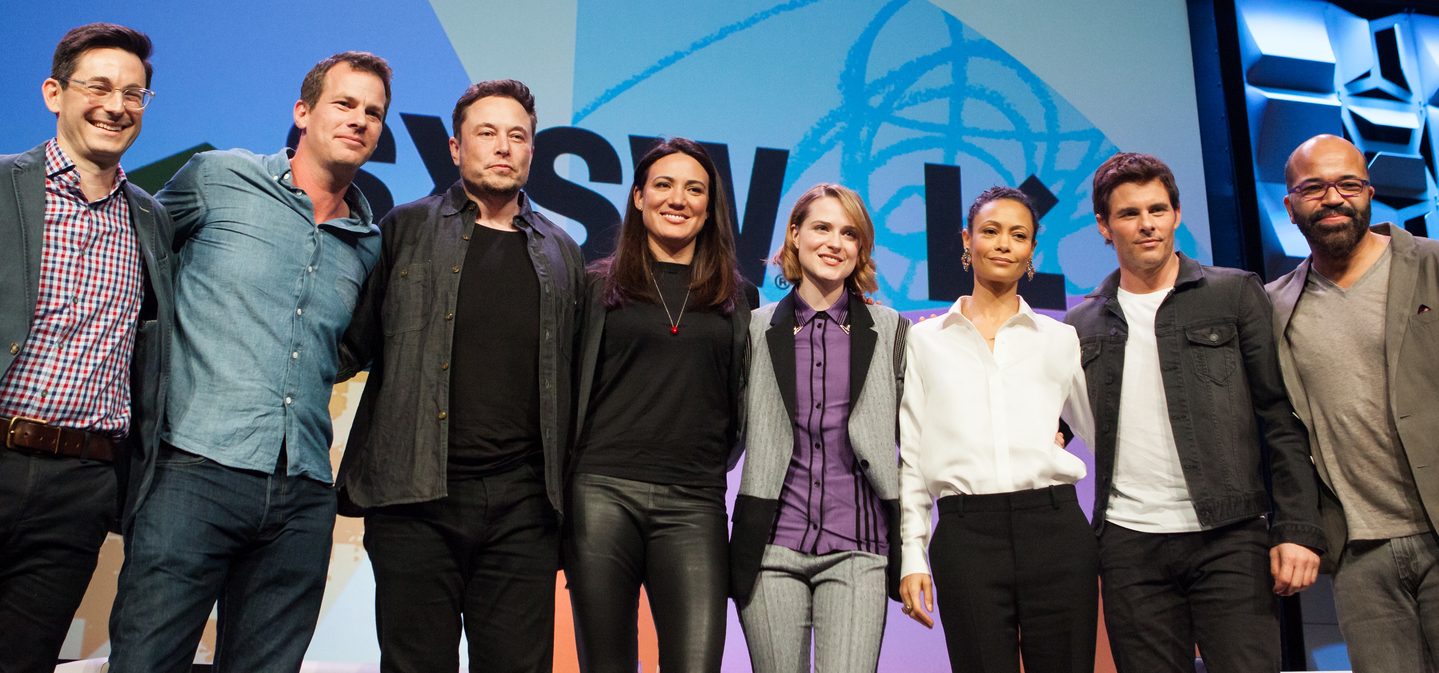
1030 271
965 259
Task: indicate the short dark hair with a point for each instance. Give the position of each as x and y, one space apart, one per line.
508 88
1127 167
314 82
81 39
1000 192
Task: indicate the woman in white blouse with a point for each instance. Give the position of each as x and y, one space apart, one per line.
1013 559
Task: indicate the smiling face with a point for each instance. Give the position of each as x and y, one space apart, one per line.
1141 225
1334 224
674 202
342 129
95 132
493 146
1000 239
826 243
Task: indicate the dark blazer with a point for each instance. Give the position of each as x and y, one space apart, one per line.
875 334
1411 346
397 448
22 237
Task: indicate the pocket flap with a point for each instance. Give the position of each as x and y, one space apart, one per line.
1211 335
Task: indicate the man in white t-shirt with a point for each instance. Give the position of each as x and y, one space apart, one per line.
1205 500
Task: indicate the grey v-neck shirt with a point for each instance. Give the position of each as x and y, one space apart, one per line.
1337 336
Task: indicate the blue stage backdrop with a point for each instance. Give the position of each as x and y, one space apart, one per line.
917 105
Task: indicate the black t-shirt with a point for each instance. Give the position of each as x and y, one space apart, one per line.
661 404
494 362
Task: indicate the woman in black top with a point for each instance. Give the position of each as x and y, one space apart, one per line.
660 376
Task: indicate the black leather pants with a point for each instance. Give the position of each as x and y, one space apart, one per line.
671 539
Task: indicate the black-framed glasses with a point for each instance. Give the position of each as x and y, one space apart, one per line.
133 98
1313 191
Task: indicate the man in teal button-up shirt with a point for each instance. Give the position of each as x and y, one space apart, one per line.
273 252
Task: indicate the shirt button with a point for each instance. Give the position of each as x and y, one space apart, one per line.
404 273
294 355
466 237
450 315
288 400
455 268
818 364
818 405
299 311
310 268
816 445
442 415
1213 336
14 348
444 366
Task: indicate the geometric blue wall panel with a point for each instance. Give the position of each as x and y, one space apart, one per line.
1310 67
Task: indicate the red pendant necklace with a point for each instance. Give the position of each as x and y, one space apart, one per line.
674 320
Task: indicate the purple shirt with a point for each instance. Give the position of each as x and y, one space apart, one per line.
826 504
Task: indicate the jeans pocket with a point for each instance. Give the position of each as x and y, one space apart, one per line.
169 456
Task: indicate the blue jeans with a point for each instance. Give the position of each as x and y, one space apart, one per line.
258 543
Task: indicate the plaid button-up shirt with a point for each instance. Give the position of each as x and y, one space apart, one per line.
74 369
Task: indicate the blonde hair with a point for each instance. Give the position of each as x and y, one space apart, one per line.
860 281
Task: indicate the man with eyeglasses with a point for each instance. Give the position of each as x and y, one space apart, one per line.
1357 325
273 250
85 321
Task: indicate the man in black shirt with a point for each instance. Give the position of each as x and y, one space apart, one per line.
456 457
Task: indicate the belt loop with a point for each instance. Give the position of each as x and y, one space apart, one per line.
1054 496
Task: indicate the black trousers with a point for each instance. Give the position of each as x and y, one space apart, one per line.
54 514
1016 574
1163 593
484 559
671 539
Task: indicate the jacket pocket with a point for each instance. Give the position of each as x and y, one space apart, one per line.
1213 350
404 306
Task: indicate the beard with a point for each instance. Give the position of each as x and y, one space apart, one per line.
1336 241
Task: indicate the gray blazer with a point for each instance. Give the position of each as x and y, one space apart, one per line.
22 237
1411 347
876 335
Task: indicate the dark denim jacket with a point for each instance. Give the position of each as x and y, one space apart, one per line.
1243 451
404 330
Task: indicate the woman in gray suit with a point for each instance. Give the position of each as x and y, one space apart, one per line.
814 543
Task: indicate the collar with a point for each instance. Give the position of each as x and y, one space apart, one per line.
1025 315
58 162
1190 273
278 166
838 312
456 201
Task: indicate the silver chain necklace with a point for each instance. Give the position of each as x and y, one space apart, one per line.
674 321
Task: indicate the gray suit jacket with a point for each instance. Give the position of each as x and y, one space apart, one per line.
769 426
1411 347
22 237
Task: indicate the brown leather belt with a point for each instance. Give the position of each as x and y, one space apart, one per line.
33 435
